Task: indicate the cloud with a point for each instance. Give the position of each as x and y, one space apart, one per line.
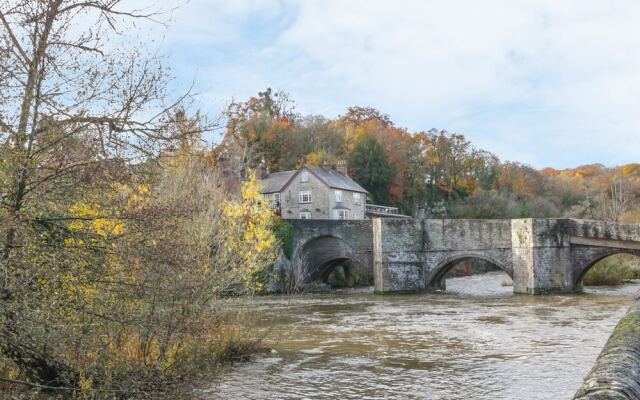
543 82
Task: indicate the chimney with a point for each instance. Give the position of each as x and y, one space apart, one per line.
342 167
326 165
263 171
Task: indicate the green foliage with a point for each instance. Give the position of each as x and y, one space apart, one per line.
485 205
613 271
371 168
284 233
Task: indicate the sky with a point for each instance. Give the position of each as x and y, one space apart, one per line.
546 83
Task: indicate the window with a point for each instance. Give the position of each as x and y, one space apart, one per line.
304 196
338 196
276 198
341 214
356 198
305 215
304 176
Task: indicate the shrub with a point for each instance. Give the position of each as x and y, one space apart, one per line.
612 271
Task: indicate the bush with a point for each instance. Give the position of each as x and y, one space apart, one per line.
612 271
284 234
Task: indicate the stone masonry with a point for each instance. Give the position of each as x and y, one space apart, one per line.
414 255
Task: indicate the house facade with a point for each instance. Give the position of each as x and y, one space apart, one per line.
314 193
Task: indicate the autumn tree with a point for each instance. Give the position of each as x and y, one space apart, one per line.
357 116
257 129
101 262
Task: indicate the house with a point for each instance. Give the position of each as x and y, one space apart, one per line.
314 193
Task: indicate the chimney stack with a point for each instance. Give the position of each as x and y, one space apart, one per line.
342 167
263 171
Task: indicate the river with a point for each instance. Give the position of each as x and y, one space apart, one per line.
476 341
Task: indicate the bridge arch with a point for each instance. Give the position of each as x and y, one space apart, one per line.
585 258
435 280
319 256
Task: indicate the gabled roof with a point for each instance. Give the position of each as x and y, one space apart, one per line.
275 182
335 179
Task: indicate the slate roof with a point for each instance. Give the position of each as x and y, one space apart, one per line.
335 179
275 181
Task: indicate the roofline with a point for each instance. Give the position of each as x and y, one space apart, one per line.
320 179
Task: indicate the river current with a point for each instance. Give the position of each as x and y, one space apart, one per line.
476 341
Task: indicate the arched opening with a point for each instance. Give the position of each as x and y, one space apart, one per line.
472 274
331 262
613 268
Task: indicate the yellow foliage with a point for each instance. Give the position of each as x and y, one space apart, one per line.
85 383
630 170
90 217
250 221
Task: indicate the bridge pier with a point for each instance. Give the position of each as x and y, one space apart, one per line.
541 257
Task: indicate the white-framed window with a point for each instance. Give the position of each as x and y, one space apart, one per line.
341 214
338 196
356 198
304 176
304 196
276 198
305 215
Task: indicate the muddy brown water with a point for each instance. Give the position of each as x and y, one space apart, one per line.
476 341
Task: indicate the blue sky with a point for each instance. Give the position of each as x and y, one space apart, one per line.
548 83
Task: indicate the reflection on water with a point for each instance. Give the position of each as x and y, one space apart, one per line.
477 341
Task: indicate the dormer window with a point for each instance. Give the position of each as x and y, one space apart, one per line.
304 176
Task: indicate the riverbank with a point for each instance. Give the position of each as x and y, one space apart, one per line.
197 361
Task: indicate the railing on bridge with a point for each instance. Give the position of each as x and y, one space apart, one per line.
375 209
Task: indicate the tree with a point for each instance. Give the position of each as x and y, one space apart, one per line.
371 168
79 118
356 116
258 129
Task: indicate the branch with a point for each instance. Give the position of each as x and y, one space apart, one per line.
78 46
4 126
25 58
36 385
108 9
46 387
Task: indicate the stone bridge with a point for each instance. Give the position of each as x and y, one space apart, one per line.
414 255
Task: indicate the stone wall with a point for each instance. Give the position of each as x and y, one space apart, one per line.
616 373
320 201
414 255
320 244
323 200
541 255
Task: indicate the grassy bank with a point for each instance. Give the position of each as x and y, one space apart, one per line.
612 271
141 369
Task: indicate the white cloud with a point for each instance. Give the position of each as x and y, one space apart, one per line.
545 82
